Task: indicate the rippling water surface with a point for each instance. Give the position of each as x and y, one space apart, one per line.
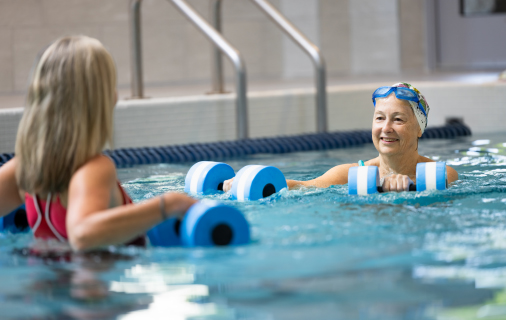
315 254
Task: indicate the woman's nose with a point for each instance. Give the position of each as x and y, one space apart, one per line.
387 126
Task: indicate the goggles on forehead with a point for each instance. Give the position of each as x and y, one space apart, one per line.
400 93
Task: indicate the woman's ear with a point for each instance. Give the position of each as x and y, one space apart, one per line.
419 133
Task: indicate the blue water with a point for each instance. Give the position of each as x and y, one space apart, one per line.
315 254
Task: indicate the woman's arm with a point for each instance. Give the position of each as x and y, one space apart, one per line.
10 198
451 174
91 224
336 175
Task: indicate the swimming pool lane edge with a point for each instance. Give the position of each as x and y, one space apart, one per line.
126 157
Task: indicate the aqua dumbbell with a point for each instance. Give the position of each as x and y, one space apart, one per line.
252 182
365 179
431 176
15 222
207 223
255 182
166 234
207 177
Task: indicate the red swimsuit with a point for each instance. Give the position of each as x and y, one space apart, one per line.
47 219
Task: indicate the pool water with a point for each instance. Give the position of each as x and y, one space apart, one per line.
315 253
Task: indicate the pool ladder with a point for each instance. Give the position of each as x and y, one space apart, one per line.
222 46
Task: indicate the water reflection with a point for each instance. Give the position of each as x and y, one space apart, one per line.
65 285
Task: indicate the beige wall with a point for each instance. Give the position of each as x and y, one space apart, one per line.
356 37
208 118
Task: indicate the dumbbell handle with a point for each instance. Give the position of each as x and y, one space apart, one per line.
412 187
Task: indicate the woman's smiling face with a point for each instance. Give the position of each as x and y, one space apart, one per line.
395 130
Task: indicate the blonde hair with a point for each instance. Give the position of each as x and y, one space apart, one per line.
68 118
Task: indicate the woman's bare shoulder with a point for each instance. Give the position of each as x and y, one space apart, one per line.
424 159
99 167
373 162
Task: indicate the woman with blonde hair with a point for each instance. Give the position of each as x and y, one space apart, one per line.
69 187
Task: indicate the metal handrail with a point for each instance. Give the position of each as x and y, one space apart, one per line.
234 56
137 85
219 42
217 67
314 54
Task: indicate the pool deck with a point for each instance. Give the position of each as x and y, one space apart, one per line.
261 85
184 113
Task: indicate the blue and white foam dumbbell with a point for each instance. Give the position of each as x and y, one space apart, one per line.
207 223
166 234
15 222
363 180
207 177
255 182
431 176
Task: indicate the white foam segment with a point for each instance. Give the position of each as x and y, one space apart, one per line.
362 180
194 184
244 180
430 175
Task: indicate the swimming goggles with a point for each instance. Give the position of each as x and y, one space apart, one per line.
400 93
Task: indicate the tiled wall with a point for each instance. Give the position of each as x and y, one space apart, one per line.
375 38
356 37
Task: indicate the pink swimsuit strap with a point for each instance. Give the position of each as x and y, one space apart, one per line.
47 218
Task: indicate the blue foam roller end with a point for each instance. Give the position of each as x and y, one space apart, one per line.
352 180
255 182
206 176
164 234
13 223
420 177
441 176
210 223
431 176
363 180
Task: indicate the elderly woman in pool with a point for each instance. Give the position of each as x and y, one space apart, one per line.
400 118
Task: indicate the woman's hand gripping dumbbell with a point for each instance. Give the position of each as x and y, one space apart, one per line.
252 182
366 179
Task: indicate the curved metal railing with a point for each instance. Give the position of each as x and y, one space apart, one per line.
222 46
215 37
314 53
235 57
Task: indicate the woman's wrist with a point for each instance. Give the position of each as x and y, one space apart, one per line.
174 205
163 212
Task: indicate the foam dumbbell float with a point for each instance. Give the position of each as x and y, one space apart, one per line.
252 182
365 180
255 182
15 222
431 176
206 223
207 177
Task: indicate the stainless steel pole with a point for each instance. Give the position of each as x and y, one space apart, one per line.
234 56
137 84
217 58
314 54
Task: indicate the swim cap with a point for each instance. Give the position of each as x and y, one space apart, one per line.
420 116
